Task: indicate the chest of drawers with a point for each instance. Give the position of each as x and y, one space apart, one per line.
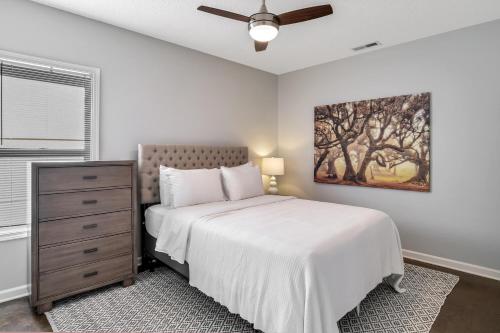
83 228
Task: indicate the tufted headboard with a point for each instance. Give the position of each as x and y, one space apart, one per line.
181 157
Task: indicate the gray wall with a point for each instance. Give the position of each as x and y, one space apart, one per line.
151 92
459 219
154 92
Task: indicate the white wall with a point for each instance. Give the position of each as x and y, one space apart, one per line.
459 219
151 91
13 268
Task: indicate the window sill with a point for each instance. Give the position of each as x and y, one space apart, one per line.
15 232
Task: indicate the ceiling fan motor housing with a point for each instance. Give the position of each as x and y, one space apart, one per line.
260 19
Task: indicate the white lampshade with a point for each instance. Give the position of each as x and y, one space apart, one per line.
273 166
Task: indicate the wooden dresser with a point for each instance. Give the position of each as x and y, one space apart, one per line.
83 228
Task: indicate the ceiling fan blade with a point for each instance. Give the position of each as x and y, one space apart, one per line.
224 13
305 14
260 46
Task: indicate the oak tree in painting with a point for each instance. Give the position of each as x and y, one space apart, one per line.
381 142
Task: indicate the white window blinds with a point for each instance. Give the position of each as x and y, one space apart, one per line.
46 114
42 115
45 111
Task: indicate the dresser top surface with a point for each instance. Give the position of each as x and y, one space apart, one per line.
81 164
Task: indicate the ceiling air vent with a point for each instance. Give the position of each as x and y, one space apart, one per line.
366 46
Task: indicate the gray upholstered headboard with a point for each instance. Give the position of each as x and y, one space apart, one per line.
181 157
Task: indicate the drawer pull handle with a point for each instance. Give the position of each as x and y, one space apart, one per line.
90 226
89 177
89 202
87 275
90 250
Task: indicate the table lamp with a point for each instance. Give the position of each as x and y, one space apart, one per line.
273 166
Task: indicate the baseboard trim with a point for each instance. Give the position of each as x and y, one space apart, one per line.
453 264
13 293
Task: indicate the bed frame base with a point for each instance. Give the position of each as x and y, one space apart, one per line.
394 281
151 257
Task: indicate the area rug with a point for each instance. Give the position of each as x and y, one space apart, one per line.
163 301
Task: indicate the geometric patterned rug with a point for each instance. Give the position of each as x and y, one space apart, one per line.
383 310
163 301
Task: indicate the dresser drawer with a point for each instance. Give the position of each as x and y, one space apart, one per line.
78 203
71 279
62 256
60 179
84 227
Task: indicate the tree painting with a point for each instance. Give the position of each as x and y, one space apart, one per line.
381 142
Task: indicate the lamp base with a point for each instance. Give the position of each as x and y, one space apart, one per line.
273 186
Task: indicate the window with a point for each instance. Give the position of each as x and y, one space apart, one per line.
48 112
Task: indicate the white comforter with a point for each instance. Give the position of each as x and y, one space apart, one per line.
284 264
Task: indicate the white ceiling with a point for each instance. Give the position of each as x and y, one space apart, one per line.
354 22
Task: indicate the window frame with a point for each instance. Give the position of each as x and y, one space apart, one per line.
95 87
8 233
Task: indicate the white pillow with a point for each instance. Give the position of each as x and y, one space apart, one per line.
165 193
179 188
241 182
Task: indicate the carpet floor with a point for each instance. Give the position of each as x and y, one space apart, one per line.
163 301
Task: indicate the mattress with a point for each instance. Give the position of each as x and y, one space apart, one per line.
154 218
284 264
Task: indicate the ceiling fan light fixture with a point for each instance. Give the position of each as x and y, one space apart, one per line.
263 27
263 33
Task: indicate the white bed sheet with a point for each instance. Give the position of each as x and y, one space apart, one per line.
284 264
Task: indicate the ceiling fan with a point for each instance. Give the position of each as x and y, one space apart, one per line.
263 26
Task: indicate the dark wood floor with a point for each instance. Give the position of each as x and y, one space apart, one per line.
472 307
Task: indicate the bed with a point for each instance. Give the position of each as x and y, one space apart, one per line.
282 263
